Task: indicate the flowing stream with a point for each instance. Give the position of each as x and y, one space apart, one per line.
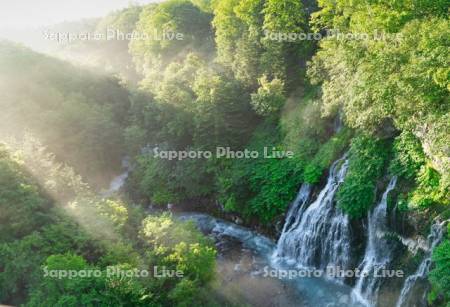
314 238
408 297
254 270
255 278
118 181
377 254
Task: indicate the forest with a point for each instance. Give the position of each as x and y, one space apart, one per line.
358 91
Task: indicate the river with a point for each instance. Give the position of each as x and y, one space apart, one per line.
246 266
254 270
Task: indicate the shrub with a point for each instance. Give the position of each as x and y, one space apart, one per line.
261 187
327 153
440 275
430 189
367 157
408 156
269 99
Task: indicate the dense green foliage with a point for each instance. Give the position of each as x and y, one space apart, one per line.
429 187
227 82
398 75
256 72
260 187
15 222
367 157
408 156
325 156
77 114
82 291
241 29
440 274
43 230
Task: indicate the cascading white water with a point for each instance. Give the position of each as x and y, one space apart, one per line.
312 291
377 254
319 235
118 181
294 215
434 238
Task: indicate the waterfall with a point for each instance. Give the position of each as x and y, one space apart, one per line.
318 235
377 254
118 181
293 216
337 125
434 238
